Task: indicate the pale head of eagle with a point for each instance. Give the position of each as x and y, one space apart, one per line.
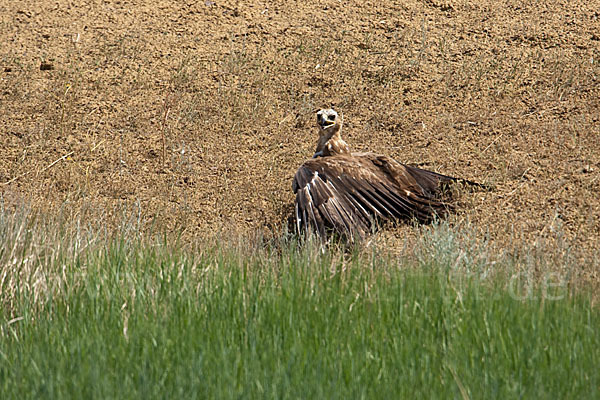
330 140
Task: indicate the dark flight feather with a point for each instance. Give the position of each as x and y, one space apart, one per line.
348 193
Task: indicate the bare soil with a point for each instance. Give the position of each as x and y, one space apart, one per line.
198 113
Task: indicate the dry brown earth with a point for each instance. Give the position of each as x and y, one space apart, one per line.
201 111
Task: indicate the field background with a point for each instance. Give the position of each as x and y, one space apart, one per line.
154 143
199 113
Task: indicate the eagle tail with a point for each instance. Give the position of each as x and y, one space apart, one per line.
433 178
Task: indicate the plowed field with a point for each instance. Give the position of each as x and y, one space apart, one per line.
198 113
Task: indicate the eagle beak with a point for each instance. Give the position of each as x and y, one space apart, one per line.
326 124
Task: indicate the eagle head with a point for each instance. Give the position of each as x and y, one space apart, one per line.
328 120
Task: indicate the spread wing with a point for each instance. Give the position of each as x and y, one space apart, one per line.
348 193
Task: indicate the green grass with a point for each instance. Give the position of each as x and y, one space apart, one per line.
128 317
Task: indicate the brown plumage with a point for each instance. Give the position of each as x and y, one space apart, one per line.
349 192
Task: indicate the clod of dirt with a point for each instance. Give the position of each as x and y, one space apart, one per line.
46 66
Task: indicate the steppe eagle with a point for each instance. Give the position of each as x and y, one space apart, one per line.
348 193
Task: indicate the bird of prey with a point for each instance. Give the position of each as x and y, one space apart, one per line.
349 193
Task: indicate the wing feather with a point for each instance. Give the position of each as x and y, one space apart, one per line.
349 193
